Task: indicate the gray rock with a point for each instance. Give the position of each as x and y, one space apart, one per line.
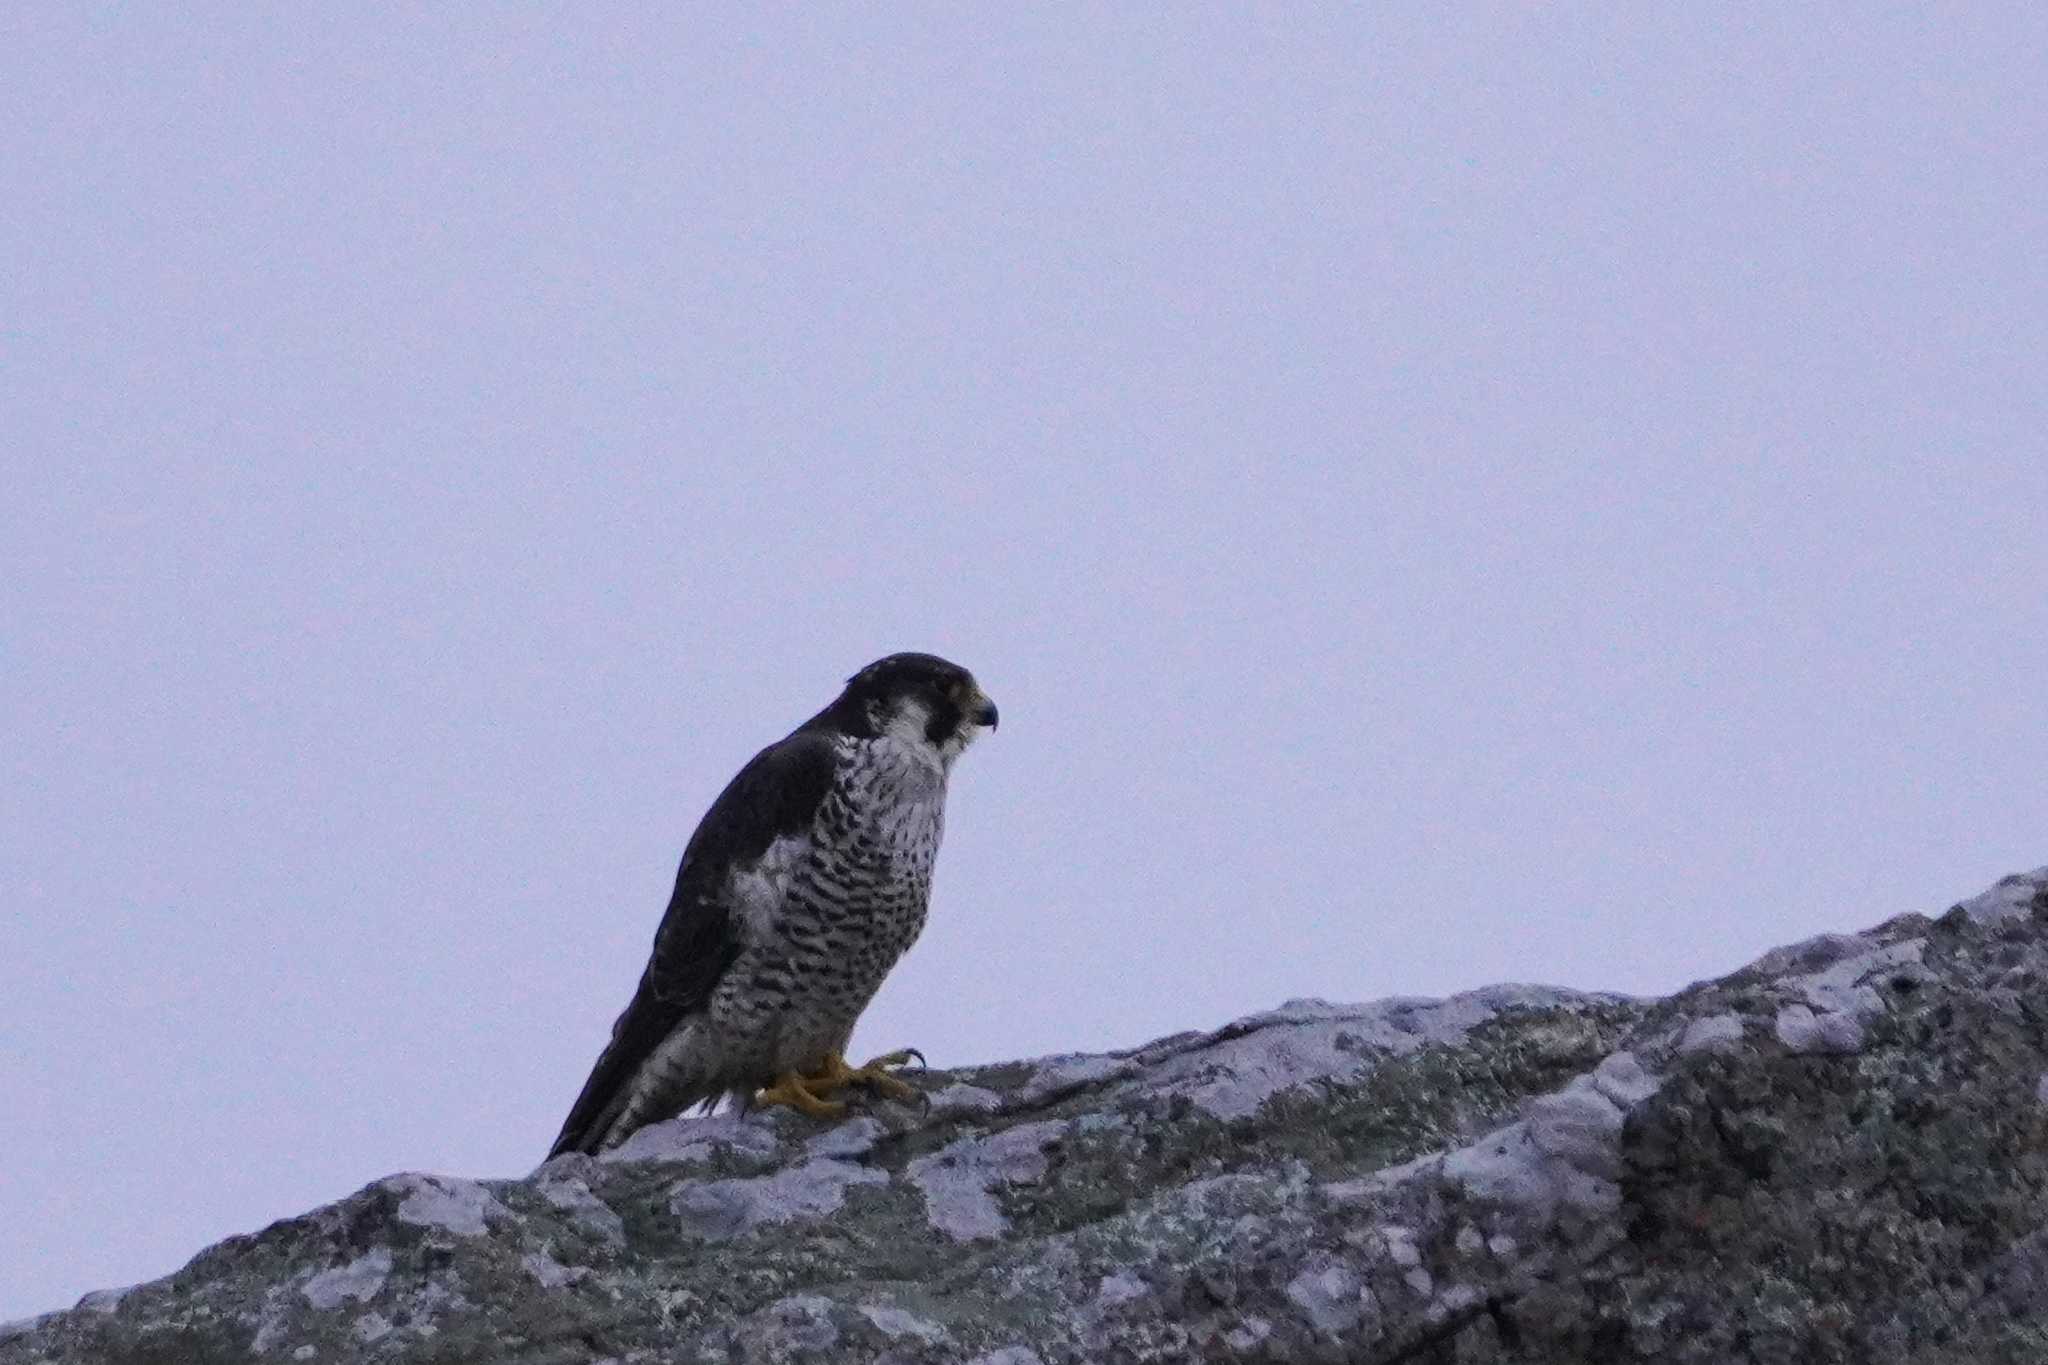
361 1279
1839 1153
1715 1033
717 1210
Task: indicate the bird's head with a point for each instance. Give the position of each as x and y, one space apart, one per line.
920 699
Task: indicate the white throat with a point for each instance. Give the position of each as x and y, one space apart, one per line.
905 728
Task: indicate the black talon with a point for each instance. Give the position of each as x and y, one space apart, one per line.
922 1064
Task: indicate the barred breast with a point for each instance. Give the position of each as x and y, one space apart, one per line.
847 904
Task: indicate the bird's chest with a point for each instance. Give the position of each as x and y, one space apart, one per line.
879 829
857 882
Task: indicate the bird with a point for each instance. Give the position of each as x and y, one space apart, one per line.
806 880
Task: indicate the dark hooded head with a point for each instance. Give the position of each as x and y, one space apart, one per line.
919 699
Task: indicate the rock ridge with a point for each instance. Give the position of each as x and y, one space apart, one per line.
1839 1152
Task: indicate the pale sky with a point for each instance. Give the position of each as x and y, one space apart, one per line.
1439 497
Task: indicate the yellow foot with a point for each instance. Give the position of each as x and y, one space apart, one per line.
835 1074
796 1092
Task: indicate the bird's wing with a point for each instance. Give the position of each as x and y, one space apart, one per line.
777 794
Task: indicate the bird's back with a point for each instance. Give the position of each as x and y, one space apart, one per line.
775 796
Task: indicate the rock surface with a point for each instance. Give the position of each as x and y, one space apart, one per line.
1839 1153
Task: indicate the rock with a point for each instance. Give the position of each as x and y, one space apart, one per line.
1839 1153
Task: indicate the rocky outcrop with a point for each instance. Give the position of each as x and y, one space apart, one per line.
1839 1153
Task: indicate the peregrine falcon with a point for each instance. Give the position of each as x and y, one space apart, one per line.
806 880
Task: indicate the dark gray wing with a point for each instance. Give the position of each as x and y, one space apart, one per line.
777 793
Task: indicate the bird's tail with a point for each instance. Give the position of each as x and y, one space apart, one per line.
630 1089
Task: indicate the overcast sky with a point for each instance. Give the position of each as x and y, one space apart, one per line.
1440 496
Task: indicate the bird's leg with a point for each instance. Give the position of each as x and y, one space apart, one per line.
835 1074
797 1092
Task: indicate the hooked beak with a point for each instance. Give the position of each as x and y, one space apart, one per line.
985 714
